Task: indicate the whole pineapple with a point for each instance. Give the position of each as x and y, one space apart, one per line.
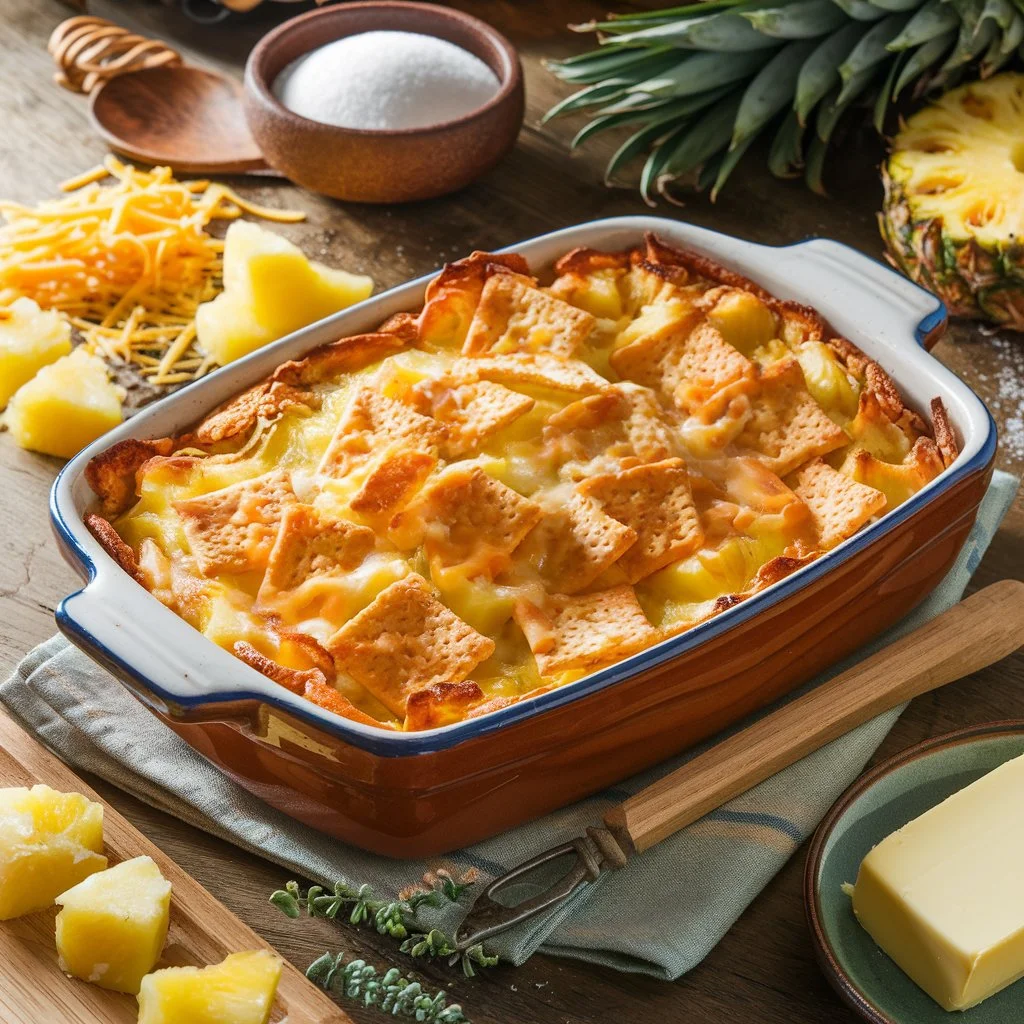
953 216
696 85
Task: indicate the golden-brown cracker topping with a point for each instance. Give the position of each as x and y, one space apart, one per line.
787 427
441 704
689 361
294 679
373 422
327 697
625 423
111 474
452 297
514 316
839 505
540 370
464 515
232 530
405 641
574 543
945 439
310 544
655 502
111 542
471 413
391 483
347 355
264 401
591 630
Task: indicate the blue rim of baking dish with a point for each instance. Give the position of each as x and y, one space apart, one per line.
402 744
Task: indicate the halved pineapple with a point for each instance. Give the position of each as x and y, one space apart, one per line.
112 926
239 990
49 841
270 290
953 214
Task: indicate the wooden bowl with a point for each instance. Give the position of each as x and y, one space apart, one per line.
369 165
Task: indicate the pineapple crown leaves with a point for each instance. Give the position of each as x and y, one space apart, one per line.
698 84
393 993
396 918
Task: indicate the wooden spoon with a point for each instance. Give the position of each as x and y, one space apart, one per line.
179 116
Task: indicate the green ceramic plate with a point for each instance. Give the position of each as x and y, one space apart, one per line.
880 802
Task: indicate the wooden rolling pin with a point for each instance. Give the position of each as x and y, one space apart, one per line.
971 635
982 629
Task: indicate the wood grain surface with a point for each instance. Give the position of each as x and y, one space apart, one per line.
763 970
202 931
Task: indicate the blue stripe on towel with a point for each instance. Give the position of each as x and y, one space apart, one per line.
772 821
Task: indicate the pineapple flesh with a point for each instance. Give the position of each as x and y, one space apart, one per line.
270 290
49 841
113 925
66 406
30 338
953 214
239 990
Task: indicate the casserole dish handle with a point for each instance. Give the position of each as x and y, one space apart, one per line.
864 282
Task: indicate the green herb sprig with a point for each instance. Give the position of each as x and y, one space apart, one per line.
392 993
396 918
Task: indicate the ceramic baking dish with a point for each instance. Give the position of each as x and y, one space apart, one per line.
416 794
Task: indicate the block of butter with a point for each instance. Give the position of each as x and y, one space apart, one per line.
944 895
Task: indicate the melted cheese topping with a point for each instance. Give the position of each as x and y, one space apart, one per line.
747 513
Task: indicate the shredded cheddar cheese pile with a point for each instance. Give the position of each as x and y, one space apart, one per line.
127 263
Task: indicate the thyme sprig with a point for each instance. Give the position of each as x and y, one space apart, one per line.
396 918
393 993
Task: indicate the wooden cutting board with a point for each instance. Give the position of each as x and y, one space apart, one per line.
33 990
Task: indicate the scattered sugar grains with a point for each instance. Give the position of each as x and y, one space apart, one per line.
1009 394
386 81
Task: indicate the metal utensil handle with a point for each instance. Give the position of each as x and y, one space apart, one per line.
980 630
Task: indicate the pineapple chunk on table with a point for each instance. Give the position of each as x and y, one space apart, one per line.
239 990
66 406
270 290
30 338
113 925
49 841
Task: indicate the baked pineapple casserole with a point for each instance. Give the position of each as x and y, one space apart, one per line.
522 484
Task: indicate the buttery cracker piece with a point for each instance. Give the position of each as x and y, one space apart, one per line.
590 630
326 696
440 704
787 427
309 544
266 400
471 412
839 505
294 679
574 543
465 515
546 371
392 482
656 502
624 423
232 530
514 316
114 546
692 365
372 422
405 641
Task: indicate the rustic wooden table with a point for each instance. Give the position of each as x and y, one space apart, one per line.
763 970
